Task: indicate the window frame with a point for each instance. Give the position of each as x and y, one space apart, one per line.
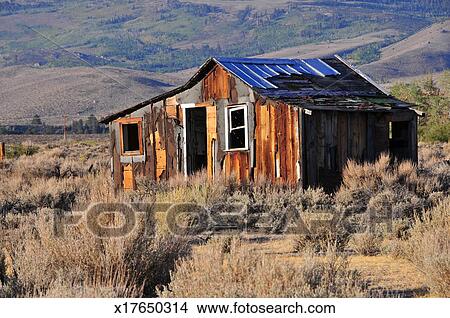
131 121
229 129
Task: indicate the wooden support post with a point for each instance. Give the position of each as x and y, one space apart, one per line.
2 151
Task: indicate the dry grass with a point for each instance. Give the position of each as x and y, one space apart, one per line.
366 244
389 276
67 177
228 269
78 264
37 263
400 188
56 177
429 247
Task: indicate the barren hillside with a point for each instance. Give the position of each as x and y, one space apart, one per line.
74 92
331 47
425 52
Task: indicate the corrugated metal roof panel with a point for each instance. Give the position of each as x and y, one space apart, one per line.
234 69
257 72
267 69
321 67
260 71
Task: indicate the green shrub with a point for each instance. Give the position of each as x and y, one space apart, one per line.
14 151
435 102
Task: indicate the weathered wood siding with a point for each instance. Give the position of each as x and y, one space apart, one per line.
2 151
163 133
211 143
216 85
334 137
277 137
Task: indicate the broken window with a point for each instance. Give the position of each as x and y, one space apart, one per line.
131 137
237 130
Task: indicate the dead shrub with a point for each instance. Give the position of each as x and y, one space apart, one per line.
367 244
238 272
429 247
403 188
79 264
284 205
323 230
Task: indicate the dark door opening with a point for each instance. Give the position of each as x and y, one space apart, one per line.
196 140
399 143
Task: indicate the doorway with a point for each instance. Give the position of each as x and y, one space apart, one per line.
399 140
196 139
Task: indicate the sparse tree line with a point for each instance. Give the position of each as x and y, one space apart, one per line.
434 101
426 7
39 127
10 7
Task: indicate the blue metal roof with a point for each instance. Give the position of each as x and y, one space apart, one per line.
257 72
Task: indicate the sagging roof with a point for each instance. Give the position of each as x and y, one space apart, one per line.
348 103
290 80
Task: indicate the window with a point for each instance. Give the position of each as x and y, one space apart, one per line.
236 128
131 137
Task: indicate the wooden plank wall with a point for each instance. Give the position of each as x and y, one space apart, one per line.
116 166
237 166
278 156
211 130
220 85
163 142
216 85
403 145
332 138
164 124
128 178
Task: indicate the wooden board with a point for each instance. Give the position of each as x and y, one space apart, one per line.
277 146
216 84
2 151
211 129
173 109
237 166
128 178
117 167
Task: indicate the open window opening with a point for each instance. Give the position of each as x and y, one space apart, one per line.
131 137
196 139
236 125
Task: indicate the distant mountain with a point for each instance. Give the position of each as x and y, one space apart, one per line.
171 35
47 46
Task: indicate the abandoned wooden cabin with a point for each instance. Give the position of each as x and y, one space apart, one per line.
284 120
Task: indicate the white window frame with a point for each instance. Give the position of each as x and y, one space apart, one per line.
228 129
